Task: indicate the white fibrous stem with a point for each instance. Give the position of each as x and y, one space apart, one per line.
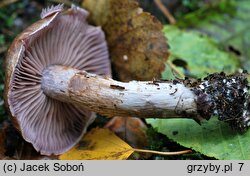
145 99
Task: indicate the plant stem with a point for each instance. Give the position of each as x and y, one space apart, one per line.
165 11
218 94
162 153
145 99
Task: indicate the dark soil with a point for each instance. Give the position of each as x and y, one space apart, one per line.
226 97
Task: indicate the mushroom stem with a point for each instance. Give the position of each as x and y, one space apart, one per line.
145 99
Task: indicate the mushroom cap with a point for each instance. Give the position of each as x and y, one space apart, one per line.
59 38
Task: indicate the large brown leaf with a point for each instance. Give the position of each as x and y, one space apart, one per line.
131 130
138 48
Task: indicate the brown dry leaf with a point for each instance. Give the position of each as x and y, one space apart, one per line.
129 129
99 144
138 48
132 131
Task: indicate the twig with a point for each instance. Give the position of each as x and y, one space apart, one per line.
6 2
162 153
165 11
7 32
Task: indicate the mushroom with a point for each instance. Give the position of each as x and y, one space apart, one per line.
57 39
58 72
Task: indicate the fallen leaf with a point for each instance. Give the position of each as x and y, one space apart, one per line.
99 144
103 144
227 22
213 138
138 48
197 55
131 130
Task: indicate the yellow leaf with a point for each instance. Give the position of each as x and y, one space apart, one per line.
99 144
137 46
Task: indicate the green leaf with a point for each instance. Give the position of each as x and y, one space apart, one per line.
201 54
227 23
213 138
167 73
